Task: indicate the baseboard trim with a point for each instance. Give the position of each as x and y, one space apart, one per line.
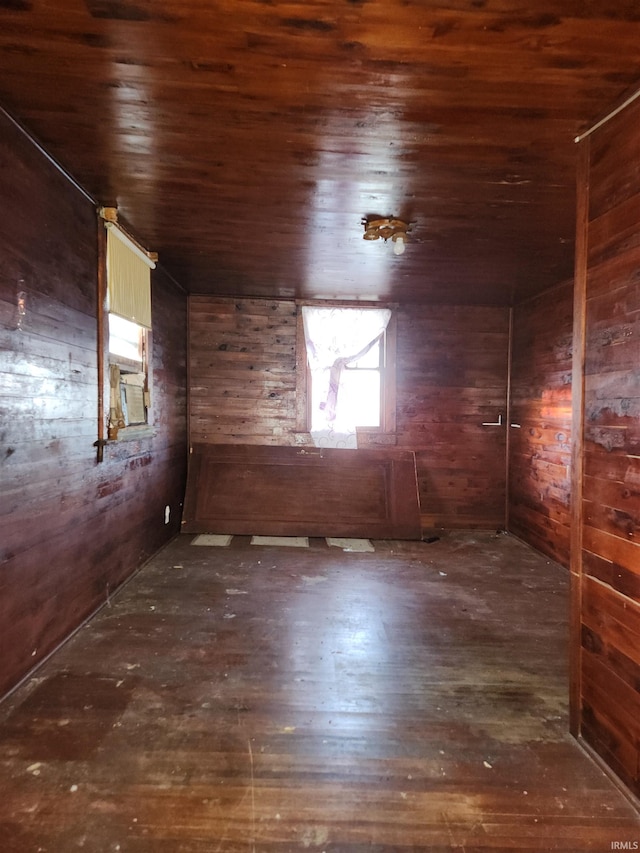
608 772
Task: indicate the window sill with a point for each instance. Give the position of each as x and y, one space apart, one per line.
133 433
375 437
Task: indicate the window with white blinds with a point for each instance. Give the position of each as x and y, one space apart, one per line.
129 279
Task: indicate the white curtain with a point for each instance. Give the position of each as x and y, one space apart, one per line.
336 337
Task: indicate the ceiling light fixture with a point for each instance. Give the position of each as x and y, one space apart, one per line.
387 228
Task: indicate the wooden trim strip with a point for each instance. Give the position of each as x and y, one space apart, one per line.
507 447
302 402
389 404
611 114
101 333
28 135
189 357
577 442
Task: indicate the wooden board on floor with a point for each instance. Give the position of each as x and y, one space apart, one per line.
290 491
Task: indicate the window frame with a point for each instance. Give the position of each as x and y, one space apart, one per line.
133 367
129 364
126 366
383 434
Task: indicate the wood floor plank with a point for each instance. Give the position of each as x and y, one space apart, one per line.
275 699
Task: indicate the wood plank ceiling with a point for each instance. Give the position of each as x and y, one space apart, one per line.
245 140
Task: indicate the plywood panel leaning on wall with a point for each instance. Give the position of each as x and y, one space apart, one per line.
290 491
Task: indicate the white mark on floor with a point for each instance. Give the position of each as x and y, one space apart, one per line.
216 540
285 541
315 836
351 545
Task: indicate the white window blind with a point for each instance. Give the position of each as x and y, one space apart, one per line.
129 279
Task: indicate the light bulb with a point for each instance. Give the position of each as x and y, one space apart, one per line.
399 245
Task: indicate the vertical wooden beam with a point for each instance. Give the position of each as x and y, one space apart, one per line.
577 443
389 407
507 448
189 385
302 401
101 334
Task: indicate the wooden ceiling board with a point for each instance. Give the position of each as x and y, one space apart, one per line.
244 141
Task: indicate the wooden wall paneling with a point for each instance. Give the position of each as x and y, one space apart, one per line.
70 530
451 375
451 378
540 422
610 676
608 519
622 580
243 371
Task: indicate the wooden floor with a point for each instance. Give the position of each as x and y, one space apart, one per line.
256 698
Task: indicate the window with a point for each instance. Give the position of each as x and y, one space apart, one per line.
349 354
126 340
128 373
129 304
361 388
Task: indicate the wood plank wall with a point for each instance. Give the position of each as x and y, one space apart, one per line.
451 377
539 510
609 675
71 530
242 368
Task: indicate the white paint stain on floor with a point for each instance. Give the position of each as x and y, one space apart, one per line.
355 545
218 540
286 541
